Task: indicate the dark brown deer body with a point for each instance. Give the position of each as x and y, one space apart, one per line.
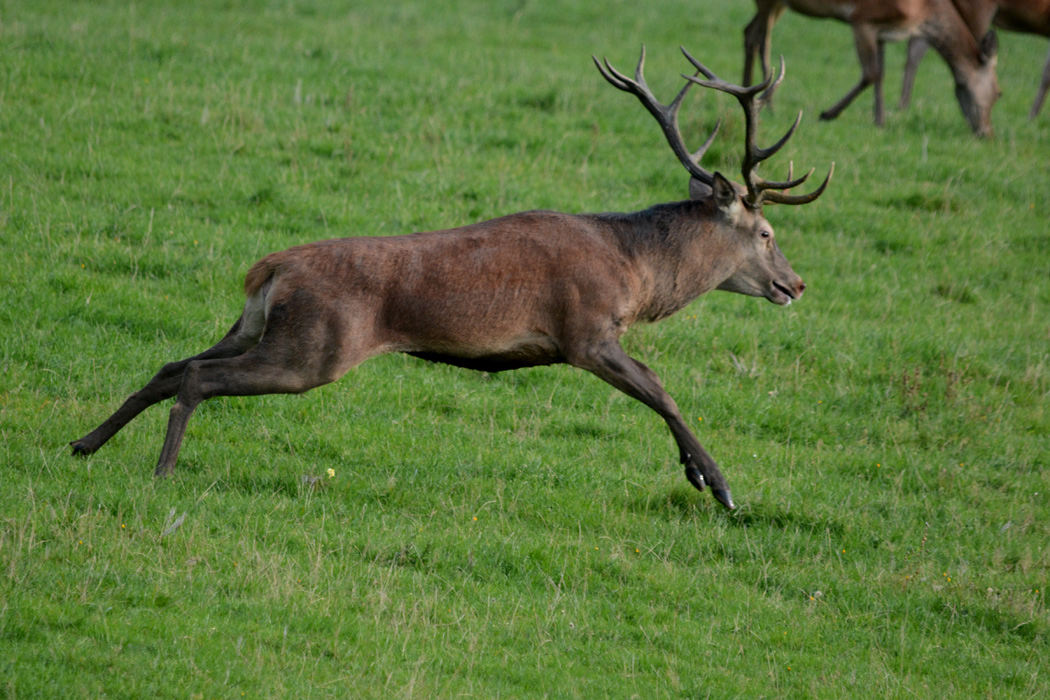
970 57
1026 16
533 288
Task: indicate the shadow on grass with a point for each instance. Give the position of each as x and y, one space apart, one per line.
676 504
776 517
287 485
687 504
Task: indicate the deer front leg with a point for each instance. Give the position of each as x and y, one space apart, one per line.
609 362
917 47
755 42
758 38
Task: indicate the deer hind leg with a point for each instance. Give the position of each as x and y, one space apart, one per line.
164 385
251 374
870 53
304 346
610 363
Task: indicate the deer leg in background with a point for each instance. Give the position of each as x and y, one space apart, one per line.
758 38
869 51
1043 85
609 362
164 385
752 37
917 48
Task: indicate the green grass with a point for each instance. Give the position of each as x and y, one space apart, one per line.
526 534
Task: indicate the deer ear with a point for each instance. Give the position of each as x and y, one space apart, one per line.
723 191
989 47
725 196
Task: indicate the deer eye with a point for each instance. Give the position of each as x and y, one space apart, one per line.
767 234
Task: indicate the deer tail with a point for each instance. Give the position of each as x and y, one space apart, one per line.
260 273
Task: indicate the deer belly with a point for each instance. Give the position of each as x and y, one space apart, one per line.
492 363
532 351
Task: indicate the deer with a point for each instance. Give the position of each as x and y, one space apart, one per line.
938 22
527 289
1025 16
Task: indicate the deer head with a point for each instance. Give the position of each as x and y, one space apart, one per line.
977 88
761 268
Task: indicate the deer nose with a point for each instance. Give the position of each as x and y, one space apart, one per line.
801 287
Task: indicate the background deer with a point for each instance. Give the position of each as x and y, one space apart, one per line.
534 288
937 22
1026 16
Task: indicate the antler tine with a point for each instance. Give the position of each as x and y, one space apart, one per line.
781 198
699 153
713 81
751 99
785 184
666 115
767 94
615 78
699 66
764 153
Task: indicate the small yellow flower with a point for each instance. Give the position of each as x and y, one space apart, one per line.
331 473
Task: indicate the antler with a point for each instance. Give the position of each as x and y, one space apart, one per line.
759 190
751 99
666 115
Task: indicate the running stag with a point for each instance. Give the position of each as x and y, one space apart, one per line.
534 288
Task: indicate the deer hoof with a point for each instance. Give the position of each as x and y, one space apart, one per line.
724 497
695 478
80 449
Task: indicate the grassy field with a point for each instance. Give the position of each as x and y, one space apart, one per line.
526 534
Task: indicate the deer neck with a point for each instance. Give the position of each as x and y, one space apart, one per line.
976 14
679 251
952 37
